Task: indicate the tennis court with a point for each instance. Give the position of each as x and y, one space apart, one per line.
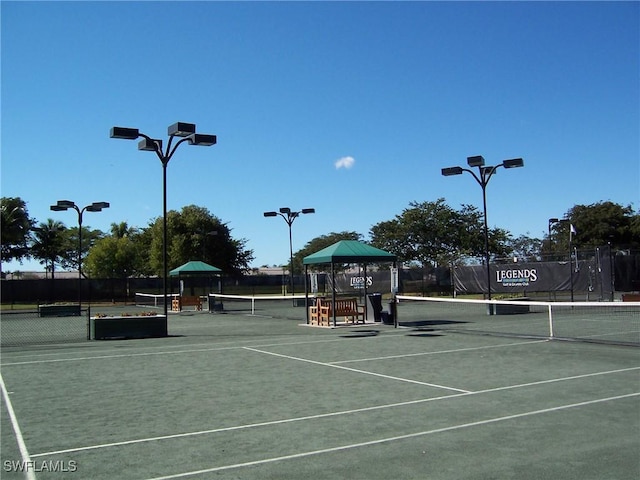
240 396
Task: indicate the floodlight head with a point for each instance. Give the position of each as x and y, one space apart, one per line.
285 210
485 171
150 145
58 208
124 133
553 220
202 139
513 163
308 210
447 172
477 161
270 214
181 129
65 203
100 205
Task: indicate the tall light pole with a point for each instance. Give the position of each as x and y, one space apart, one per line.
187 133
94 207
483 177
289 217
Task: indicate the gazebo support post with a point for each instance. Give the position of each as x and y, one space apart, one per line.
306 293
333 294
364 266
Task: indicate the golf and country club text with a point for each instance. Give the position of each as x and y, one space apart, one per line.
53 466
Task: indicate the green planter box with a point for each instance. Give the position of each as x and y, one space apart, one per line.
103 328
70 310
511 308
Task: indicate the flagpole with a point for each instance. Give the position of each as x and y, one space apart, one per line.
572 230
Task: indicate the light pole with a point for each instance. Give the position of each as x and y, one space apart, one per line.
483 177
289 217
94 207
187 133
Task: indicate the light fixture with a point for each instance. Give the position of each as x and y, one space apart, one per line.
150 144
289 217
124 133
477 161
447 172
513 163
188 133
484 175
202 139
181 129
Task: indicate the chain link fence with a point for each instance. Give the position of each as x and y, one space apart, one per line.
19 328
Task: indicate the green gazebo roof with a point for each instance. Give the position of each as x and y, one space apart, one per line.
349 251
194 268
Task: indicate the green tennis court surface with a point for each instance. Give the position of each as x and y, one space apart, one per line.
234 396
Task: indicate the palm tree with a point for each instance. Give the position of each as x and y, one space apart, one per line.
16 224
49 243
122 230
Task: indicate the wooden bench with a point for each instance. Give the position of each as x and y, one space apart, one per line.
186 301
631 297
321 313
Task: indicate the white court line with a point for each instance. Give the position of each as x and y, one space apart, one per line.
393 439
406 380
24 453
437 352
325 415
185 349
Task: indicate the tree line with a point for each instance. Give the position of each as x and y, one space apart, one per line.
425 233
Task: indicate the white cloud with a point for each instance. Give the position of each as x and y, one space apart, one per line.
345 162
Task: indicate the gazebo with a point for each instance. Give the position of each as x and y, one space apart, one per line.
193 269
345 251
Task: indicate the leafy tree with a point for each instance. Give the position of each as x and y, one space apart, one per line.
49 243
318 244
117 255
195 234
525 248
69 256
433 233
596 225
16 225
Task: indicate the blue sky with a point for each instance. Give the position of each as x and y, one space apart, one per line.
291 88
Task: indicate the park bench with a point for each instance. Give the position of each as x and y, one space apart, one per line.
178 303
321 313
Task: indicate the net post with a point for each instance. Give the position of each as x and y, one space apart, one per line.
550 320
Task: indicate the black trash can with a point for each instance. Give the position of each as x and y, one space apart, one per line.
387 317
374 307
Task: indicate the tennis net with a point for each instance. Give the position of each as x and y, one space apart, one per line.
280 306
607 322
151 300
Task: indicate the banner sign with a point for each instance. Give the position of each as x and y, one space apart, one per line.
355 282
582 275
